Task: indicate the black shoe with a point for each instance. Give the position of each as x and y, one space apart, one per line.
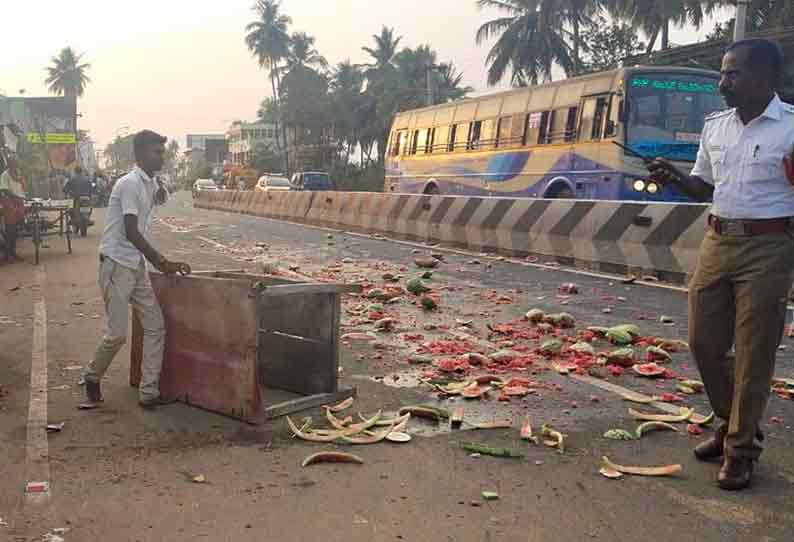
93 392
736 473
156 402
714 447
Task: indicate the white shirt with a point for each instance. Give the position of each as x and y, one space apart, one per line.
7 182
133 195
744 163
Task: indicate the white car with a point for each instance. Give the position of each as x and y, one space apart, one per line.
268 183
203 185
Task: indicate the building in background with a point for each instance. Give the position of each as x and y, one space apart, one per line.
242 137
199 141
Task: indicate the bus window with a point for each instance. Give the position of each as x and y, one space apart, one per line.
414 141
537 124
613 117
504 131
399 143
461 134
557 125
570 124
420 142
519 132
591 125
431 136
475 132
441 139
488 134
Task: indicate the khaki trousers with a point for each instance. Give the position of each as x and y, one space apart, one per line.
122 287
738 297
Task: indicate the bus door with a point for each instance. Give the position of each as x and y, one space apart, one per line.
590 154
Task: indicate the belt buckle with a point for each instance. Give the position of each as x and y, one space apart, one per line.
732 227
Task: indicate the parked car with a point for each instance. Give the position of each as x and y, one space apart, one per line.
269 183
315 181
204 185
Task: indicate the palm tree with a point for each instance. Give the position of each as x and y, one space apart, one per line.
531 39
450 83
268 41
67 76
385 49
303 54
577 14
655 17
348 101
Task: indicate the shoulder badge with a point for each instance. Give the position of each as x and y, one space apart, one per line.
719 114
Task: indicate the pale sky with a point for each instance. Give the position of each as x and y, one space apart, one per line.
181 66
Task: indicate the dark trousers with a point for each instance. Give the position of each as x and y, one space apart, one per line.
10 235
738 296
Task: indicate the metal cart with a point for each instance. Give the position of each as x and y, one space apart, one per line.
46 218
247 346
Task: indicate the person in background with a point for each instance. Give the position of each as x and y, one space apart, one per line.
123 275
738 294
12 205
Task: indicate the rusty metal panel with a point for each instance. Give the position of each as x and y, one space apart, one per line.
210 348
235 343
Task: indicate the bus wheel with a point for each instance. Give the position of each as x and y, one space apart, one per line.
431 190
561 193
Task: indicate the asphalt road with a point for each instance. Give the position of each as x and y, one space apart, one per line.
119 473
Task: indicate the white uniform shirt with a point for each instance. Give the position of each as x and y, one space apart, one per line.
744 163
133 195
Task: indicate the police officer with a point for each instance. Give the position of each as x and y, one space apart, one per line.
745 268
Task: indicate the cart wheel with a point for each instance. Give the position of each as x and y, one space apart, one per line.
36 238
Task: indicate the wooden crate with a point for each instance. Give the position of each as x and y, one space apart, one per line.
247 346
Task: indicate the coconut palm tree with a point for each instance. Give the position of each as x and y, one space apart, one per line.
450 83
385 49
303 54
268 41
531 38
654 17
67 76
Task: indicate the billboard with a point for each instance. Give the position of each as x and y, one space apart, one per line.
47 121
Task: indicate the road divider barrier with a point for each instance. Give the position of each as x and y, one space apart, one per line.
609 236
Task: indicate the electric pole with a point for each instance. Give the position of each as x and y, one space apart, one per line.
740 25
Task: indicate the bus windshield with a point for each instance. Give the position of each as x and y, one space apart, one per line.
667 113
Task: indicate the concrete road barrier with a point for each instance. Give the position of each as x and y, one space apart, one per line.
617 237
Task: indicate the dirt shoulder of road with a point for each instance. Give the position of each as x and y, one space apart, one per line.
122 473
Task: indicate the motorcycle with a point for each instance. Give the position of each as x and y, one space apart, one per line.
83 211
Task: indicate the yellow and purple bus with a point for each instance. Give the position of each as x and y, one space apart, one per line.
556 140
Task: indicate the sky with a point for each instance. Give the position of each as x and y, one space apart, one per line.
181 66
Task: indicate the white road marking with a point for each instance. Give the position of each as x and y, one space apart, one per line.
38 461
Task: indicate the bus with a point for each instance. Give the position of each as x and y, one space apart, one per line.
556 140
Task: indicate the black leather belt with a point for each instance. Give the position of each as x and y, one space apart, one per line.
722 226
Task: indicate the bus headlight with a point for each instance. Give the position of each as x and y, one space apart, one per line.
652 188
639 185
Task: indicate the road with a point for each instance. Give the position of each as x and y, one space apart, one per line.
121 473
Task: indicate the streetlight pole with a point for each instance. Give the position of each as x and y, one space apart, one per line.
740 25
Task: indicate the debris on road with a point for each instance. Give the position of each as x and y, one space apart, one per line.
666 470
484 449
55 427
611 473
347 403
649 370
553 439
490 495
653 426
685 414
619 434
694 429
568 288
331 457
